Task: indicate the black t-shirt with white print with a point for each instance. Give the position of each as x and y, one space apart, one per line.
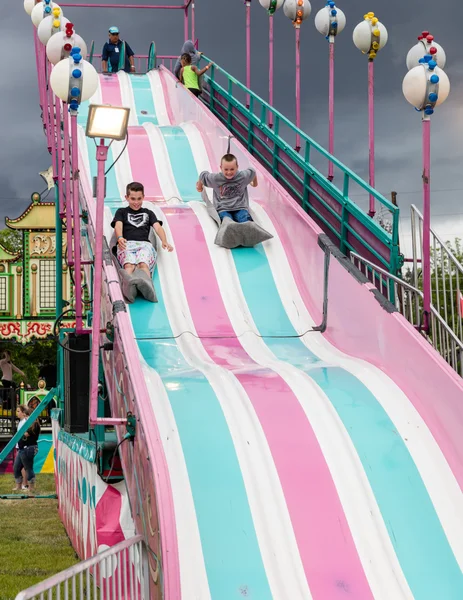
136 224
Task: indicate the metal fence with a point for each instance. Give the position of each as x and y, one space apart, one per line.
408 300
119 573
8 401
446 274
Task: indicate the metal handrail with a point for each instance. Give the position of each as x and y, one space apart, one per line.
133 577
382 199
442 337
450 268
346 233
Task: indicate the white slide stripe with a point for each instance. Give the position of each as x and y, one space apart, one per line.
96 98
128 99
271 519
163 167
193 576
158 97
370 535
440 482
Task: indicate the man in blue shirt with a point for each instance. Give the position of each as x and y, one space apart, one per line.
111 53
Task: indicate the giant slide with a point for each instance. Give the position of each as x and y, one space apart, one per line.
288 464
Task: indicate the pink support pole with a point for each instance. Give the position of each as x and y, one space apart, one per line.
298 86
426 253
68 186
59 154
193 21
76 222
331 109
99 5
270 67
248 51
185 24
45 108
371 132
51 104
101 156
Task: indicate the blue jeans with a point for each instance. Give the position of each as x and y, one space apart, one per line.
25 458
239 216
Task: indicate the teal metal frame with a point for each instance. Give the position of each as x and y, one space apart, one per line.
35 415
152 56
330 206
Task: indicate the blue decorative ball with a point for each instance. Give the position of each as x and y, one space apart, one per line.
433 97
77 58
77 73
334 13
428 111
434 79
432 64
75 92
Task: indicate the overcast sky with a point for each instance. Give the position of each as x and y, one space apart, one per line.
220 26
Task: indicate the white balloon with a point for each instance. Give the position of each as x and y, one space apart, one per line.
421 49
291 7
37 12
59 78
362 35
414 86
45 28
266 4
29 5
322 20
55 46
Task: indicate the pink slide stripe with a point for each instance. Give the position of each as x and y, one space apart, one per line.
326 547
110 90
160 474
143 164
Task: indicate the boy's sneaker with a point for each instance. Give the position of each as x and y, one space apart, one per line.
25 488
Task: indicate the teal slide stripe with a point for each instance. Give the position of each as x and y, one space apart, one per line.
185 172
416 533
144 103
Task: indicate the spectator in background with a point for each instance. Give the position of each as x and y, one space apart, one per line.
27 448
7 368
112 51
187 48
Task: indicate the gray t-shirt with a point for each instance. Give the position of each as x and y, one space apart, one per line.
229 194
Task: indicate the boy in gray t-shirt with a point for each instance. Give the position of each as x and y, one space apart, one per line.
230 189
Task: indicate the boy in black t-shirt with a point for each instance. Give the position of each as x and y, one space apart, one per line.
132 227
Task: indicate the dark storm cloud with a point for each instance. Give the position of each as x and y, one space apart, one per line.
220 28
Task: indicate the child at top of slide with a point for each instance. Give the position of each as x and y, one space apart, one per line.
230 192
190 74
132 226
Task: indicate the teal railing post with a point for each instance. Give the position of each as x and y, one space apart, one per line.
122 57
59 272
305 192
152 56
276 149
35 415
92 50
211 88
251 127
344 214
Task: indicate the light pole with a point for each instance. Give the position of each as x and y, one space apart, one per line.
271 6
297 11
425 87
370 36
74 80
103 122
248 49
330 21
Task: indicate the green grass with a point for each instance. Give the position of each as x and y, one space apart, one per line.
33 542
